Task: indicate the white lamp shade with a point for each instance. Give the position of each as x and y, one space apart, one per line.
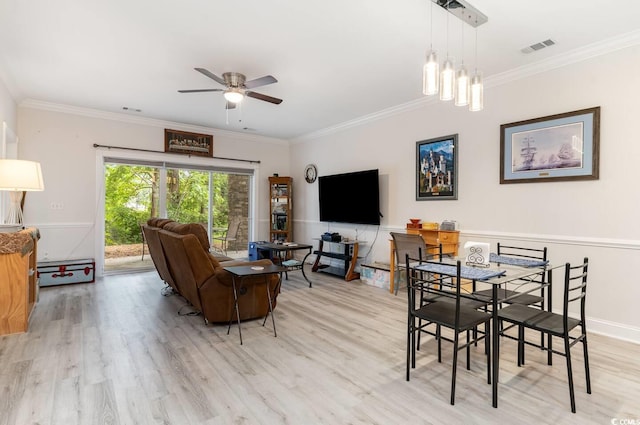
447 80
431 75
19 175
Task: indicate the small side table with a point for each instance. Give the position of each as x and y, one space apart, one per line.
240 272
282 250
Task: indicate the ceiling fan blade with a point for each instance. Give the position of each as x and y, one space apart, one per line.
211 75
264 97
230 105
262 81
198 90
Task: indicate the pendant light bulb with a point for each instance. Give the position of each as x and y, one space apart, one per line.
447 80
476 102
462 87
431 75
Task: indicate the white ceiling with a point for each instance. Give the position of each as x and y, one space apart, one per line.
335 60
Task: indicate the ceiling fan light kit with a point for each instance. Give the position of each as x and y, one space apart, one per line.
233 95
237 87
449 83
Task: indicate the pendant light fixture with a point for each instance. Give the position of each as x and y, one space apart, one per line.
476 101
447 75
444 80
431 69
462 79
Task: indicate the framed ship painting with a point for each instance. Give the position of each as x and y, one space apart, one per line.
183 142
437 168
554 148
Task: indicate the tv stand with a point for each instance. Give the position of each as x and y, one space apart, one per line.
349 254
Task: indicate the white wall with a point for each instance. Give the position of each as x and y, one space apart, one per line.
574 219
61 139
597 218
7 107
8 148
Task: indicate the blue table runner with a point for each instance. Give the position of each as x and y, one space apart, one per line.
515 261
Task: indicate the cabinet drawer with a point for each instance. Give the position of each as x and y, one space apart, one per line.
448 237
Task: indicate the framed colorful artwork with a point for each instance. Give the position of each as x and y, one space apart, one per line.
437 168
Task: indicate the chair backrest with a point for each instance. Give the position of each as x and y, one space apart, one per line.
158 257
424 283
575 289
516 251
234 226
412 245
188 262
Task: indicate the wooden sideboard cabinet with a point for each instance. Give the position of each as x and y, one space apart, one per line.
448 239
18 279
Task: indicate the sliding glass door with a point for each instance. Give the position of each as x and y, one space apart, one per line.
135 192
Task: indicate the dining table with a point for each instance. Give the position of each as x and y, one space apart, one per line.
513 273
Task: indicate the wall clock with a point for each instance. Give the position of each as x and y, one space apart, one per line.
310 173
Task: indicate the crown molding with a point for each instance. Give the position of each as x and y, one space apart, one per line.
151 122
600 48
590 51
365 119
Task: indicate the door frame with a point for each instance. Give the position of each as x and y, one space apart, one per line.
189 161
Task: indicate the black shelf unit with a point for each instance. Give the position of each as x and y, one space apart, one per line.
348 254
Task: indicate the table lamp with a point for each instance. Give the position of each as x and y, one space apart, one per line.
17 176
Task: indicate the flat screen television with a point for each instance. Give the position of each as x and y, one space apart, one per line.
350 197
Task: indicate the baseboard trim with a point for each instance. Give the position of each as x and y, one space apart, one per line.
614 330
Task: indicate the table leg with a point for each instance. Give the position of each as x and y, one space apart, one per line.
495 340
273 320
549 304
282 257
302 268
235 299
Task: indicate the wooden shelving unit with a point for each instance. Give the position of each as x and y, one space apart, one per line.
281 209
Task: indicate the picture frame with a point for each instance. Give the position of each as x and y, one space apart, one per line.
183 142
437 168
561 147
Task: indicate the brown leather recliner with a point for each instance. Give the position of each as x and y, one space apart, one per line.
201 279
150 231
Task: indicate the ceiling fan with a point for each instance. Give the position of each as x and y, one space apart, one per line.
237 87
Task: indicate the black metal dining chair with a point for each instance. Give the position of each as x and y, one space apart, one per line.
556 324
509 296
534 254
447 310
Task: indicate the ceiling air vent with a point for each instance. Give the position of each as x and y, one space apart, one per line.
538 46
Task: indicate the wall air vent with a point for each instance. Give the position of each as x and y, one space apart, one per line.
538 46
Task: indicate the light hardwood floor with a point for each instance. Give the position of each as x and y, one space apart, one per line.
116 352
